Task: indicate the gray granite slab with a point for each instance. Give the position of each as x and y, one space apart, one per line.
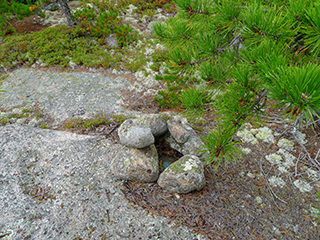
58 185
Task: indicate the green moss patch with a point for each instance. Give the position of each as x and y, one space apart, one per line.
79 122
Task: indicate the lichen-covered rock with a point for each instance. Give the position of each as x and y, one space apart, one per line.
177 131
134 136
141 165
155 122
183 176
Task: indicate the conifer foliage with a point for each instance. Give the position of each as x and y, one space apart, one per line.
233 55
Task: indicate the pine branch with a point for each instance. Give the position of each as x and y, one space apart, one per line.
200 61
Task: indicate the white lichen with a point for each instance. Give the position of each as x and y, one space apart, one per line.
247 137
130 9
258 200
277 182
301 136
286 144
188 165
265 134
274 158
254 131
312 174
289 158
282 169
303 186
276 134
246 150
148 51
250 175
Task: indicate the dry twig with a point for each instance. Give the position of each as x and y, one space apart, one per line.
270 189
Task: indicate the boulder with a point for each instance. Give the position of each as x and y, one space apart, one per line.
155 122
184 139
177 131
183 176
141 165
135 136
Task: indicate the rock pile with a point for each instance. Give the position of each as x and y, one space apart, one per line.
138 159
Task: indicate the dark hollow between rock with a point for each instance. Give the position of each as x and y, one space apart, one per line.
167 155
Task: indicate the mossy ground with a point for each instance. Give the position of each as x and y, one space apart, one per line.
82 45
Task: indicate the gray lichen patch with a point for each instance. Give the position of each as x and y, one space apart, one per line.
303 186
265 134
301 137
185 164
253 135
247 136
64 95
274 158
277 182
288 158
286 144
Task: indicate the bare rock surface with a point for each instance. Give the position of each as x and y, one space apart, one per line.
141 165
183 176
58 185
65 95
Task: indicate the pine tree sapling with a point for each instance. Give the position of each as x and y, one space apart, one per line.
248 51
298 90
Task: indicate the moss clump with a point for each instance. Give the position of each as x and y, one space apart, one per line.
119 118
94 121
27 110
3 121
44 126
74 123
18 115
166 117
53 46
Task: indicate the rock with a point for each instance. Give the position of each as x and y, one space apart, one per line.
155 122
191 145
135 136
178 132
183 176
111 40
133 164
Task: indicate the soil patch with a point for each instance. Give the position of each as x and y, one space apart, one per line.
29 25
